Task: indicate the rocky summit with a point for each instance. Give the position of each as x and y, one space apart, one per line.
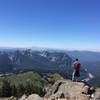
67 90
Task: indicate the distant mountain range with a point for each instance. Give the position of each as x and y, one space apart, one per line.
85 56
48 60
82 55
19 60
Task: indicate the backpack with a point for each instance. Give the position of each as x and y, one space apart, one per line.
77 65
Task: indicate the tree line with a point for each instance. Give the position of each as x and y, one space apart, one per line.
8 89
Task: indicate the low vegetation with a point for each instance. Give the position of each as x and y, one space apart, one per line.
25 83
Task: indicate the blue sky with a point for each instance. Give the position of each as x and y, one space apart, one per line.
64 24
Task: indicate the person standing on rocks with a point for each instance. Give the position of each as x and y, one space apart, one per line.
76 70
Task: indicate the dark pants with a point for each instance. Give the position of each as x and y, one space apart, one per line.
76 74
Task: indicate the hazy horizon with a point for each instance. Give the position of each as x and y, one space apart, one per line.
51 48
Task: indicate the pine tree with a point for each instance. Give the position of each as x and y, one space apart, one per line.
6 88
20 90
14 90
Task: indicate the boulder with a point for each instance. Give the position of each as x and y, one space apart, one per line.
23 97
85 90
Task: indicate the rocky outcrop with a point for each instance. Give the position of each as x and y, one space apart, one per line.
67 90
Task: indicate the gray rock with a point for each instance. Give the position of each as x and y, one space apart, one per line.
23 97
54 88
85 90
97 96
31 97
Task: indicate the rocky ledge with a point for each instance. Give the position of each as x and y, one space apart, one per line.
67 90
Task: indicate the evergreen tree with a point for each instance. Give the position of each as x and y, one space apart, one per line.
14 90
28 88
20 90
6 88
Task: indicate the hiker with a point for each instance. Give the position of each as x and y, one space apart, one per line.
76 70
